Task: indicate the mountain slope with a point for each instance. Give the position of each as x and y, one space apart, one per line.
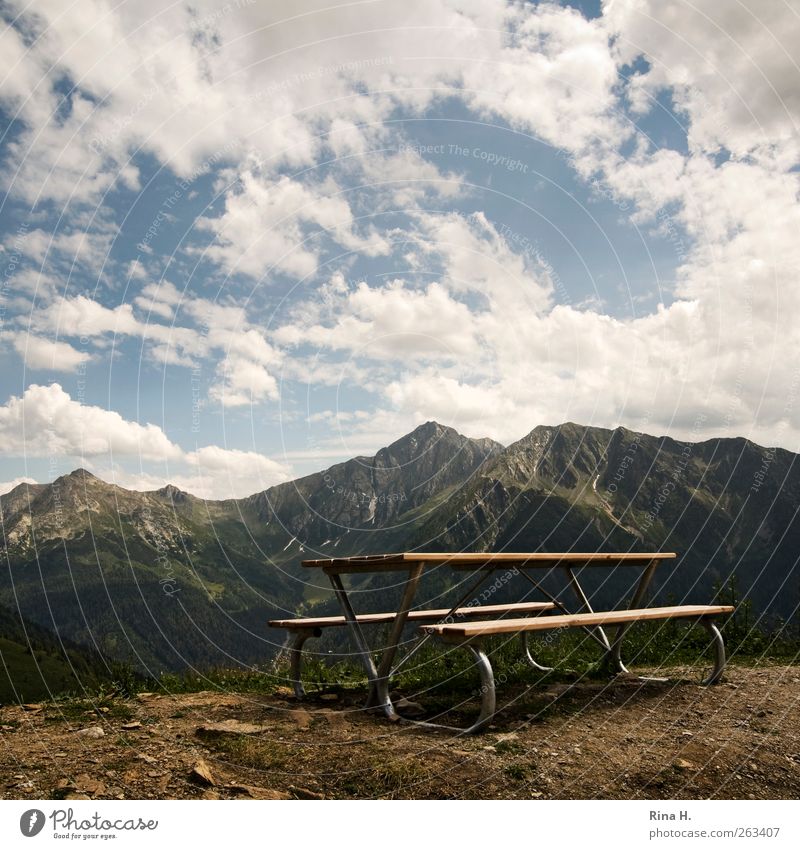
164 580
727 506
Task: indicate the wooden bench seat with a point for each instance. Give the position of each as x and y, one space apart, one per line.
470 630
304 629
468 635
414 615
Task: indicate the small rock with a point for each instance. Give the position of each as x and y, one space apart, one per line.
304 793
409 708
229 726
146 758
145 696
6 727
301 717
284 692
507 738
329 697
684 765
93 732
84 783
258 792
132 726
210 794
32 707
201 774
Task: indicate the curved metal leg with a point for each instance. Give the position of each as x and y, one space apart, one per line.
614 660
614 655
380 698
719 652
296 660
487 691
488 697
526 653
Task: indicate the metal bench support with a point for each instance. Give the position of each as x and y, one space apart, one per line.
296 658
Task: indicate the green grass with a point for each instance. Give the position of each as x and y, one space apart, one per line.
31 674
436 672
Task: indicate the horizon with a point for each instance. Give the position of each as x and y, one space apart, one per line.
168 484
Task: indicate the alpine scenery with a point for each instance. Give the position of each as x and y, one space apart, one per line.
400 401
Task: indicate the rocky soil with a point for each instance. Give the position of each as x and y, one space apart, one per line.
609 740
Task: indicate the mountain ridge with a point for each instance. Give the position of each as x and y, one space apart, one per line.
169 489
134 572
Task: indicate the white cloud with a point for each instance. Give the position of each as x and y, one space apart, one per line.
733 68
262 229
7 486
273 88
48 354
393 320
285 82
245 361
47 422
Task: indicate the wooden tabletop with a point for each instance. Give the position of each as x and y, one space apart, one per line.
405 560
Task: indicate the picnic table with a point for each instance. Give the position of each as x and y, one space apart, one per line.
466 625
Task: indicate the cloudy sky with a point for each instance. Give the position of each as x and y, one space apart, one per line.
240 241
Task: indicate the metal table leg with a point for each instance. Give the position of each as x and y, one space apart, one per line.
585 606
362 647
379 676
614 655
396 635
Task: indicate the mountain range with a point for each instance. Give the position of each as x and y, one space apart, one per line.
164 580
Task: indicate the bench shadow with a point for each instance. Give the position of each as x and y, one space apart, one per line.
518 704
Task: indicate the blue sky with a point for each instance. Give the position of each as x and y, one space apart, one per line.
240 243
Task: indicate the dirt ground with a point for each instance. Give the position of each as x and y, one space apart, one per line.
610 740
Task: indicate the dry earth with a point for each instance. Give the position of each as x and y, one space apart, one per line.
620 739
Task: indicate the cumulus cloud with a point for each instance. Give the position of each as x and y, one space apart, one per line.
732 68
48 354
7 486
45 421
245 361
292 110
262 227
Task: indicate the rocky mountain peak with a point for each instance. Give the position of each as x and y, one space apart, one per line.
434 439
171 493
80 476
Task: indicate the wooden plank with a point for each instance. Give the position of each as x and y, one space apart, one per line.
574 620
416 615
396 562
